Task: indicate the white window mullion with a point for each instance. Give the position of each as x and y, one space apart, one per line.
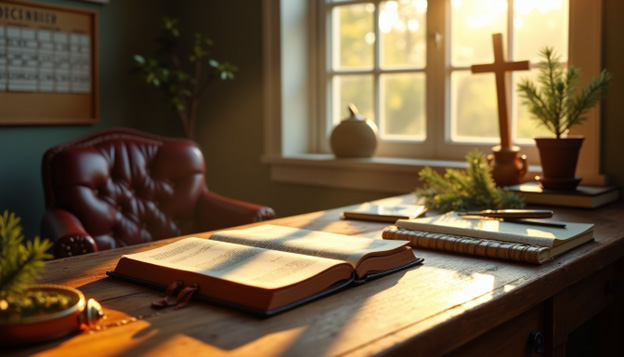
437 64
377 90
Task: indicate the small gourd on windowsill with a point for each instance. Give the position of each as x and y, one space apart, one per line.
355 136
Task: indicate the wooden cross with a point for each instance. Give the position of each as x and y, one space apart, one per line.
500 67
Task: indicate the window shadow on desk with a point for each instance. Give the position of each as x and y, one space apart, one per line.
290 332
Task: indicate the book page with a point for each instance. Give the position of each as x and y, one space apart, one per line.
241 264
451 223
322 244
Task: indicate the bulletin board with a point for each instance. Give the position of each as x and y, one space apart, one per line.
48 64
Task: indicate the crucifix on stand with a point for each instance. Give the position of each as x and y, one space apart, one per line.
507 168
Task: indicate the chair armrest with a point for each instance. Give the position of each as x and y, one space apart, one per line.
67 233
215 211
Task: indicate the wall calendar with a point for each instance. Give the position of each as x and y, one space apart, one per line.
48 64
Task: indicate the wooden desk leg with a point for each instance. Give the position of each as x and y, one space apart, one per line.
558 329
610 322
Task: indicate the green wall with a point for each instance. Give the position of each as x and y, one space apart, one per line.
230 116
123 28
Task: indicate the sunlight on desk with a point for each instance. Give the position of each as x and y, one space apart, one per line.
278 343
507 288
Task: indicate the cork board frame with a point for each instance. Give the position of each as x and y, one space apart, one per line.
48 64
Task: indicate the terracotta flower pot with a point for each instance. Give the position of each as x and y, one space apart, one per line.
559 158
45 327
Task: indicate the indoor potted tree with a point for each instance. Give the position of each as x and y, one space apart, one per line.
556 104
181 86
31 313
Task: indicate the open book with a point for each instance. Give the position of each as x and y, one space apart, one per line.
490 237
266 269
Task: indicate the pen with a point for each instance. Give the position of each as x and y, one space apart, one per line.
510 213
536 222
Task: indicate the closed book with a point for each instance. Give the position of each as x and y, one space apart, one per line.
385 213
267 269
582 197
490 237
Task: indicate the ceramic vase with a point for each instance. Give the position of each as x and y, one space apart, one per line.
507 167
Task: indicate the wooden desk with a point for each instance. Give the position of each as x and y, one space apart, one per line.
451 304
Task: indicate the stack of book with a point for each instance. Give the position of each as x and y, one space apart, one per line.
524 242
582 197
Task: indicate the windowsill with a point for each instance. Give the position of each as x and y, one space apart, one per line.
377 174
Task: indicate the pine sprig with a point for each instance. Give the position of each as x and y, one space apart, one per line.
465 190
20 264
556 104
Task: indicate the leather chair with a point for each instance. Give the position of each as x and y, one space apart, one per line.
118 187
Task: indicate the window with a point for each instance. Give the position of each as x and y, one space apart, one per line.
380 57
406 65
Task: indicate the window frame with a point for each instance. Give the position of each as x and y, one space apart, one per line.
293 44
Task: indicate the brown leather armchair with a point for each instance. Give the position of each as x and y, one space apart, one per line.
119 187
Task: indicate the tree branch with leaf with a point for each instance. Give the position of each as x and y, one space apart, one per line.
180 83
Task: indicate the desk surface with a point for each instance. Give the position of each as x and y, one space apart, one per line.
432 308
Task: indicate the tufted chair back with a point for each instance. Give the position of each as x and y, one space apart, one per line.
126 187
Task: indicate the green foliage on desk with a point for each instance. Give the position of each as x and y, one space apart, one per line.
20 263
465 190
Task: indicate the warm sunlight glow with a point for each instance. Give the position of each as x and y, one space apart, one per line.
276 343
413 25
484 12
507 288
524 7
390 16
479 283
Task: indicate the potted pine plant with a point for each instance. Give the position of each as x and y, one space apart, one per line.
556 103
32 313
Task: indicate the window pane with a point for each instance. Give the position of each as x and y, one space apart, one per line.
354 37
472 23
403 112
538 24
356 89
474 110
402 27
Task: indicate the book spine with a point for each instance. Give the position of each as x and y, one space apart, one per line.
467 245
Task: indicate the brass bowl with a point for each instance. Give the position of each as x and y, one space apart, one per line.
45 327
